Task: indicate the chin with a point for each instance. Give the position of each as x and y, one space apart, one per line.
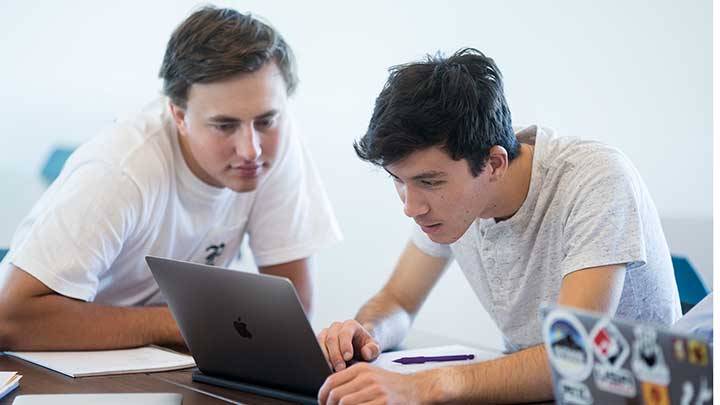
244 186
443 239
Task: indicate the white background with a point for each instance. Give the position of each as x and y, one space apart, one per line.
635 74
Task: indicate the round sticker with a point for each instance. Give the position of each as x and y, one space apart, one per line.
567 345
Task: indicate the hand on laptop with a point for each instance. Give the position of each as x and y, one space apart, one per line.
345 341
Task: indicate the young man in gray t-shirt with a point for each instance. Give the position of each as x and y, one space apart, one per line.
530 217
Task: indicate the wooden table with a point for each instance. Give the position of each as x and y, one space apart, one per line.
39 380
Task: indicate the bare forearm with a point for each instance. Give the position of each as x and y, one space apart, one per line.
54 322
300 274
387 321
306 299
519 377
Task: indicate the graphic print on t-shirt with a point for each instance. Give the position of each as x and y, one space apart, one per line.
215 251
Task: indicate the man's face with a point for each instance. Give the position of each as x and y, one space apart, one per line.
441 194
231 129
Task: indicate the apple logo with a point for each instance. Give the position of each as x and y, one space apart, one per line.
242 329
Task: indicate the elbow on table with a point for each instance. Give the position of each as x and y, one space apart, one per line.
10 335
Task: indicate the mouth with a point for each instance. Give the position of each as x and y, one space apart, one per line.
430 228
244 170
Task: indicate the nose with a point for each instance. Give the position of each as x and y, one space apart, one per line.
414 204
247 143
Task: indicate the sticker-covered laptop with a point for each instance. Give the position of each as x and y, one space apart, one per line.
598 360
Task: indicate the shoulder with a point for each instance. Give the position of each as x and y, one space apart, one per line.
581 163
139 148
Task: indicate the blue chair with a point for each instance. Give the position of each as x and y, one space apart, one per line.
54 164
3 252
690 285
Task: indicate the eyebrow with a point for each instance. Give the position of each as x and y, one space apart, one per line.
431 174
229 119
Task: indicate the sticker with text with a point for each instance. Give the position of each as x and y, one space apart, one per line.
615 380
648 361
567 345
573 392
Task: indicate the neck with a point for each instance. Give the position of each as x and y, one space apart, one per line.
515 184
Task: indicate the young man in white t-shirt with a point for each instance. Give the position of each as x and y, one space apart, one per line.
216 158
530 217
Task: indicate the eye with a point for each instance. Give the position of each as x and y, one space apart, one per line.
431 183
224 127
265 123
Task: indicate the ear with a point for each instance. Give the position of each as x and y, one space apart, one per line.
497 163
178 114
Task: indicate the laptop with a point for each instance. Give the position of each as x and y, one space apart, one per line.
599 360
246 331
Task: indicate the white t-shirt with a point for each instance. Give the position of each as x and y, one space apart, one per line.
586 207
128 193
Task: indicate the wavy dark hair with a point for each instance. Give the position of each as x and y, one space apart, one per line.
216 43
456 103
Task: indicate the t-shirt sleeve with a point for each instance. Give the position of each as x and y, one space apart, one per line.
77 229
604 224
291 217
427 246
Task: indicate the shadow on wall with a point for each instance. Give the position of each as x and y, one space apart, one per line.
692 238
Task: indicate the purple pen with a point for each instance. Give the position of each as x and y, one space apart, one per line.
426 359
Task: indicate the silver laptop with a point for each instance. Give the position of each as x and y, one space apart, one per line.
246 331
598 360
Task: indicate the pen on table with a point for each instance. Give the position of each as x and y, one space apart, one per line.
426 359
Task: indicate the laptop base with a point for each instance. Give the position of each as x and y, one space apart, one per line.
253 389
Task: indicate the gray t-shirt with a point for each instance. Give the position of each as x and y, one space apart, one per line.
586 207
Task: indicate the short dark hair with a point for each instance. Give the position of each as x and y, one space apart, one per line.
456 103
217 43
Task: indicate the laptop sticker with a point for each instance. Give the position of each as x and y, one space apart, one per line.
567 345
688 392
615 380
573 392
609 344
704 393
679 349
697 353
648 361
654 394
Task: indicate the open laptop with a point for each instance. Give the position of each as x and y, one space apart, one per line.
246 331
598 360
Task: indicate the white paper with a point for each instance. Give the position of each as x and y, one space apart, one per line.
9 380
108 362
6 376
385 360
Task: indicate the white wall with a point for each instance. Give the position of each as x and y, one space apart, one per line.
635 74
